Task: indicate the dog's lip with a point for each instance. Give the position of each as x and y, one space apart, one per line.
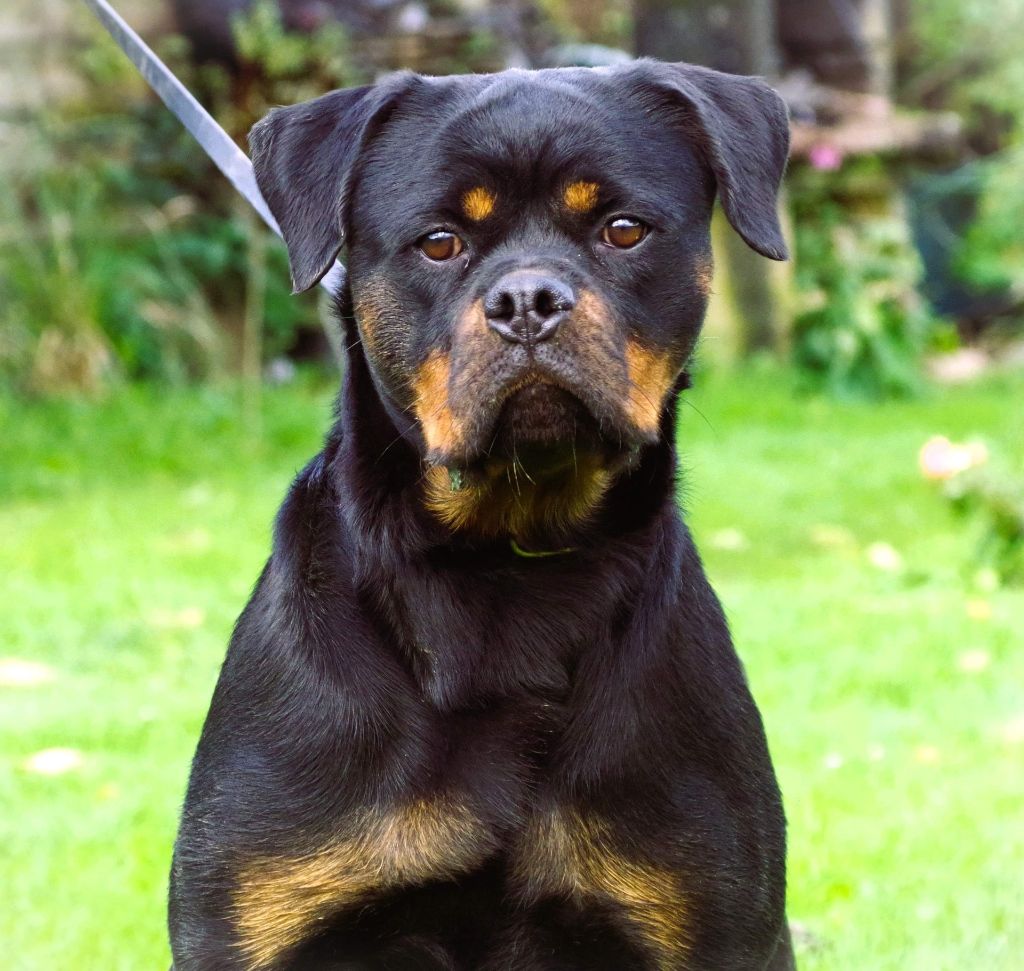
483 415
531 379
539 374
480 451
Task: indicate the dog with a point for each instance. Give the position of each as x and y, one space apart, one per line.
482 711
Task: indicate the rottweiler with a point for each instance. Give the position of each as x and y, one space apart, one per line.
482 711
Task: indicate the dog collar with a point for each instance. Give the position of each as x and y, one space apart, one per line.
538 554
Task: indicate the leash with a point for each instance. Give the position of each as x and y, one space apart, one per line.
216 142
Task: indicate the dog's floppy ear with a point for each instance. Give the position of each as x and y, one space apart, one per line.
304 158
742 126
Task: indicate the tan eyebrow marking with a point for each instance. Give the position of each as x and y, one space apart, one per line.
580 196
479 203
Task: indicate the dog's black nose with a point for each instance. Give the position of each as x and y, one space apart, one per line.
527 307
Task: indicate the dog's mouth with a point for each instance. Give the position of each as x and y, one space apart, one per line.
528 454
541 470
543 428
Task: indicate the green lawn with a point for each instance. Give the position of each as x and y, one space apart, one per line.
892 685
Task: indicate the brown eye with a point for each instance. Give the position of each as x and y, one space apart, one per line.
440 246
623 232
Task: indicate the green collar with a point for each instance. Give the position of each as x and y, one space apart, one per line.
538 554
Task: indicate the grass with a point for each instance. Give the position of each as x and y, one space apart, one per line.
890 684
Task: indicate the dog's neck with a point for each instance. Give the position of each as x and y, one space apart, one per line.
412 569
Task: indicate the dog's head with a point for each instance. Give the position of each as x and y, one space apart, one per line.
529 259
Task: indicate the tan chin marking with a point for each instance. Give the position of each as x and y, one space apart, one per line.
441 430
570 854
278 901
651 374
503 501
580 197
478 203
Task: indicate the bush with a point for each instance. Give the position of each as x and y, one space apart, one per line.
860 328
997 501
125 252
990 492
965 56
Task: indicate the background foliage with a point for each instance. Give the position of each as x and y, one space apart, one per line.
965 55
878 614
125 253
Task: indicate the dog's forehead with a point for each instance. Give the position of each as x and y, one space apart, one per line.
522 116
530 129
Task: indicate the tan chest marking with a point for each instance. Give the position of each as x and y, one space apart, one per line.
580 197
567 853
651 374
278 901
479 203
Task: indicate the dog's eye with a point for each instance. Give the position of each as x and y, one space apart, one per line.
623 232
440 245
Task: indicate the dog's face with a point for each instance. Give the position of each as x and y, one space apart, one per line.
529 259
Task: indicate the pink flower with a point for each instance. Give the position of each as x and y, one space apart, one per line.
940 458
826 158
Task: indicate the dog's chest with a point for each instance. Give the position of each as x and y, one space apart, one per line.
559 853
496 802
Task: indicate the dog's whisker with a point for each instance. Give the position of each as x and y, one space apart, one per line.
707 421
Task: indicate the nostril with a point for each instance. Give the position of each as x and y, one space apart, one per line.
544 303
505 308
550 299
500 305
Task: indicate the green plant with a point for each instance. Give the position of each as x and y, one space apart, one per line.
997 499
860 328
992 253
124 252
964 55
93 289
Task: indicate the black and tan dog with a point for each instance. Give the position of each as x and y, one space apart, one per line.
482 711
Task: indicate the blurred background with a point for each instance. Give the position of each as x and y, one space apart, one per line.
853 448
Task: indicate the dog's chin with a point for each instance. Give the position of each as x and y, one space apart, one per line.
543 429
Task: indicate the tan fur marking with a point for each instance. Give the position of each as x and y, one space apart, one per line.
502 500
650 377
592 317
580 196
575 855
278 902
442 431
472 325
478 203
382 324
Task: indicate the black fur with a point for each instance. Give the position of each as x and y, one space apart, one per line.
388 660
